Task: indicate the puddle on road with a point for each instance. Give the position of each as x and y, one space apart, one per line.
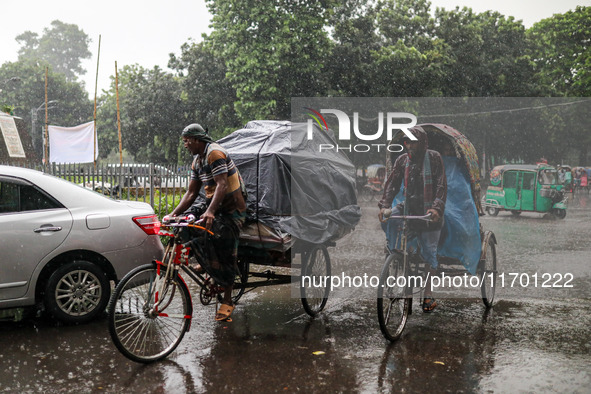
527 342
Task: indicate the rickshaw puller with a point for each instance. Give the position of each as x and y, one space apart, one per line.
425 188
213 168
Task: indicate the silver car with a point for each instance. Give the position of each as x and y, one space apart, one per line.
61 244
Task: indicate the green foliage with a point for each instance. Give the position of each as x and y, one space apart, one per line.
349 69
487 54
562 52
63 46
165 203
152 111
209 96
261 54
406 21
71 105
9 109
272 51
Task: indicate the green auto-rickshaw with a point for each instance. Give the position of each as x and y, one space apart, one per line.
525 188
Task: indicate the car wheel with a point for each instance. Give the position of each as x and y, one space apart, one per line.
492 211
77 292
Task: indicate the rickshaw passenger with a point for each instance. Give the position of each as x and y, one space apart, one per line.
584 179
577 178
547 178
561 176
421 173
460 236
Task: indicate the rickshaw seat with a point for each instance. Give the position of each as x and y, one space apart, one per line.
258 235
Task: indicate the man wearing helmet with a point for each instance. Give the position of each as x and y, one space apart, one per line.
213 169
425 191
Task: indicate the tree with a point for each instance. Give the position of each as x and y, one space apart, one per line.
349 69
272 51
63 46
489 54
71 104
410 57
210 96
563 52
153 113
562 56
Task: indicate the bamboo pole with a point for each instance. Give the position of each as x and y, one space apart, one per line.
46 121
95 89
118 116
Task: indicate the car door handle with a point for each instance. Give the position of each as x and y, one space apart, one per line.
49 228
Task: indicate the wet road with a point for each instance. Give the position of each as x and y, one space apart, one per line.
533 340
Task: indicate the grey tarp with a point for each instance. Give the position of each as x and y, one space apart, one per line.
292 186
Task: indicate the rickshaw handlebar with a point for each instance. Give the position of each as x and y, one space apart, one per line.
388 215
180 221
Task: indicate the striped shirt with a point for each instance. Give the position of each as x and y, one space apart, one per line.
217 161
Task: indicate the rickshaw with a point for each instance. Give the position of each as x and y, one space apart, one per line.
293 218
581 179
465 248
372 190
525 188
565 171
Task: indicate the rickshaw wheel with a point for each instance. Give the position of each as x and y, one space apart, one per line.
492 211
394 302
488 270
516 213
142 332
316 267
367 194
559 213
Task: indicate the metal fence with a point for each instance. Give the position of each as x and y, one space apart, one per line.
161 186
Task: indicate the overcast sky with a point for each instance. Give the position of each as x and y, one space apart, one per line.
146 31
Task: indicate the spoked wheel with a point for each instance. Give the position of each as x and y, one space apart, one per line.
239 282
393 300
315 269
367 194
141 330
488 271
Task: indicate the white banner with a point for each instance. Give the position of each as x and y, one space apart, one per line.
11 137
72 144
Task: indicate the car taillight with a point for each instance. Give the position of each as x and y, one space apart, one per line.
150 224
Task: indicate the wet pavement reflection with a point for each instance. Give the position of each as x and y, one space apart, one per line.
532 340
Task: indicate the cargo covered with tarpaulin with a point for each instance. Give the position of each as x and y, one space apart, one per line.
295 190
